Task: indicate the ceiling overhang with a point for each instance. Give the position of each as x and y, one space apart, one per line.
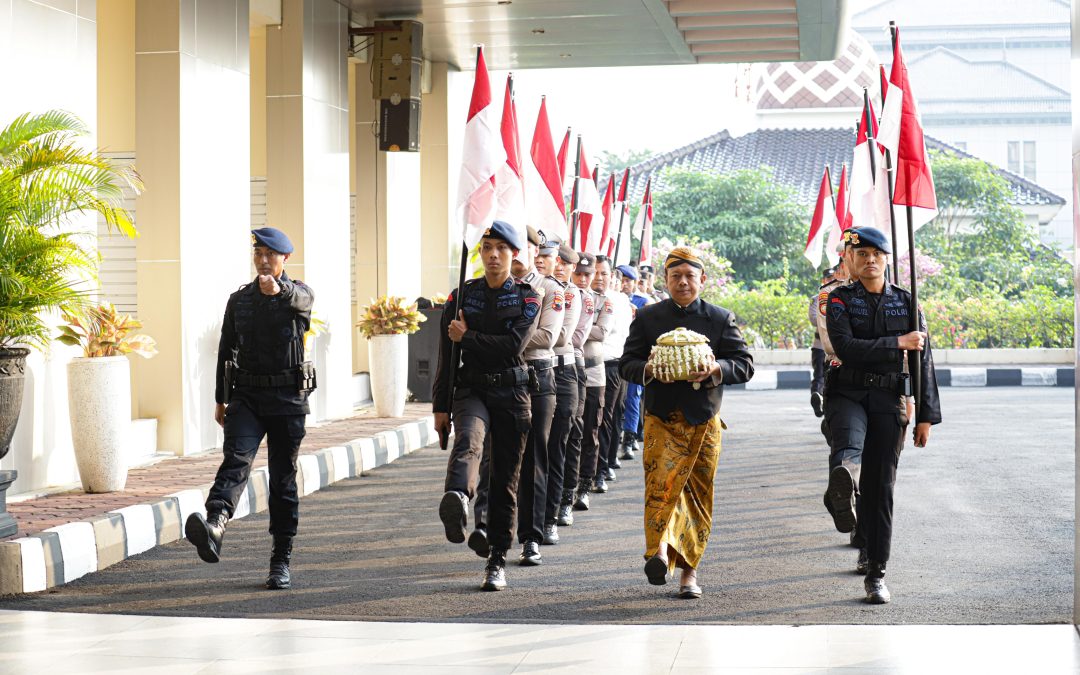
588 33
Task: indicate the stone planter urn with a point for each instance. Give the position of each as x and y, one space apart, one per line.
99 404
388 357
12 383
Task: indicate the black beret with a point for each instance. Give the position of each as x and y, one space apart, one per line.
568 254
586 263
272 238
861 237
501 229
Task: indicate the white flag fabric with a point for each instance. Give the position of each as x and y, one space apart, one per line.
823 221
481 156
509 183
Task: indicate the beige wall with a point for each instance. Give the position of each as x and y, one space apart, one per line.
55 43
258 100
440 250
116 75
193 148
307 178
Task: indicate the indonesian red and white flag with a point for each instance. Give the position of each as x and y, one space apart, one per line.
588 206
619 214
861 192
481 156
643 225
509 179
902 134
823 222
841 222
607 210
566 169
543 183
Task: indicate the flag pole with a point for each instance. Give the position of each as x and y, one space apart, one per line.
574 197
871 147
618 236
455 347
641 241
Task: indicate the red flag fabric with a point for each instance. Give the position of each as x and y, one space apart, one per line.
606 210
822 223
643 225
588 206
841 215
543 181
565 176
482 155
509 180
619 213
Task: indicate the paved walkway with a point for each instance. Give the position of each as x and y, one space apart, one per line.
984 534
152 483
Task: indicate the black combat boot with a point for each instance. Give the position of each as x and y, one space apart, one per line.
495 572
581 497
626 449
566 509
874 583
206 534
862 565
279 564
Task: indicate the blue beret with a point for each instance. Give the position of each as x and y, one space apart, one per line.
861 237
627 271
501 229
272 238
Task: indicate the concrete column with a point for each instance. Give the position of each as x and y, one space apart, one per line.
440 239
307 176
1075 61
192 145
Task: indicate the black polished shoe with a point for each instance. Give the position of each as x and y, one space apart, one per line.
551 535
454 514
206 534
817 402
566 515
478 542
656 569
495 572
581 499
530 554
599 485
610 474
279 577
862 565
841 496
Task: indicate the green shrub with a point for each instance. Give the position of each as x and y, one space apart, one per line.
1037 319
769 320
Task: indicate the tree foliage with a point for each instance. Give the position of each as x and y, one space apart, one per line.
752 222
614 162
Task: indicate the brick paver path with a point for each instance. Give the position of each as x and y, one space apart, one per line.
152 483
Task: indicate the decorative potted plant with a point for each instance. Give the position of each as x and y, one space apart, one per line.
386 323
47 176
99 392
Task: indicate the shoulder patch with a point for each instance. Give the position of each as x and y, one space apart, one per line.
568 298
823 302
608 307
532 306
837 306
557 303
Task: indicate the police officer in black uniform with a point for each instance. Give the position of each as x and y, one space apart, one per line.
869 325
262 389
497 318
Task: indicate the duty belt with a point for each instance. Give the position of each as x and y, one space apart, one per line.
850 377
540 364
244 378
564 360
593 361
503 378
580 361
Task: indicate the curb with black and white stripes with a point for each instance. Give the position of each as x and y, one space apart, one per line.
946 377
66 552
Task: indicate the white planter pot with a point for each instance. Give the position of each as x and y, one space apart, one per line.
388 357
99 404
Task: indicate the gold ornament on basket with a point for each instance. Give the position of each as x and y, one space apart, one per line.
680 352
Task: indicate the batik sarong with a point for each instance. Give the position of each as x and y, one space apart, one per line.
680 464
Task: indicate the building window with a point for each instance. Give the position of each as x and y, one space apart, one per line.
1022 158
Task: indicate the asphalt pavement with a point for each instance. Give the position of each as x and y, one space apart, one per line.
983 533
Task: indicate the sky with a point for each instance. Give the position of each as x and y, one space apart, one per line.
658 108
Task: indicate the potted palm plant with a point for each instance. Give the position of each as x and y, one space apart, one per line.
99 392
47 177
387 323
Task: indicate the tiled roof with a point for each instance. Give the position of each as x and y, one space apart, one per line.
968 81
796 159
